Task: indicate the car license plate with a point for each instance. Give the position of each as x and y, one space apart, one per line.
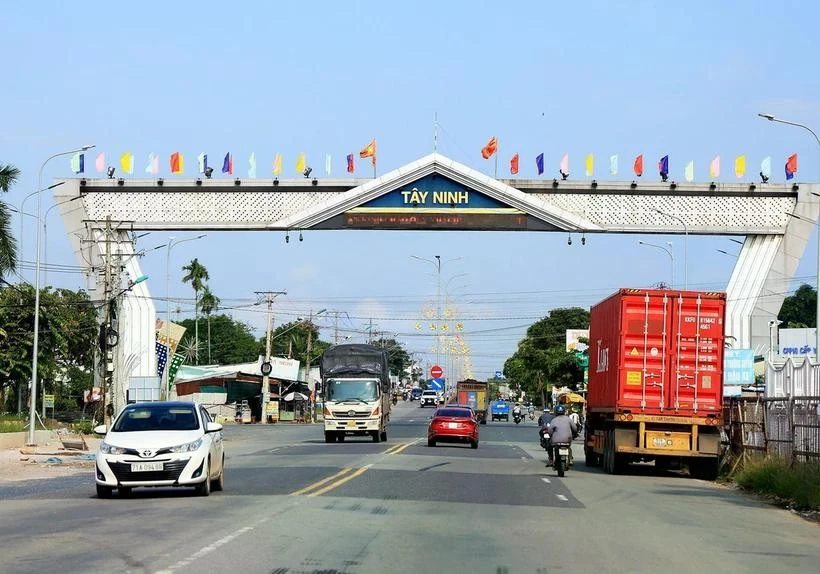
563 451
351 423
452 425
145 466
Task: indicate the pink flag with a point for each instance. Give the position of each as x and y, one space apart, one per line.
100 163
565 163
714 167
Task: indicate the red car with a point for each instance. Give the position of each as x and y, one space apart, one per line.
453 424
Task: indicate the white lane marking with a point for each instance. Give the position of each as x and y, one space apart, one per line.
562 498
546 480
523 458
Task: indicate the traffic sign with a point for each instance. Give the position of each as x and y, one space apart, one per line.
436 372
437 384
498 374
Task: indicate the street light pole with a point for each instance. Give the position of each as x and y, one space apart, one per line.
36 345
685 241
45 231
772 118
166 379
671 258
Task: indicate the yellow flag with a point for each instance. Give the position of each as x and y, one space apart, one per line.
689 172
300 164
277 164
127 162
590 165
740 165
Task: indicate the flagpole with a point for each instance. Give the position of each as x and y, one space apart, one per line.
435 132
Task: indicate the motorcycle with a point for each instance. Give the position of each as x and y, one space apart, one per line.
561 457
544 435
395 399
518 417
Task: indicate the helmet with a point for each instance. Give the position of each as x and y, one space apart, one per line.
559 409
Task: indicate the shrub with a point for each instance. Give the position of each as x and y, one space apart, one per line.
798 484
83 427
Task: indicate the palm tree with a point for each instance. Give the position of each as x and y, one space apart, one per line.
8 245
209 304
197 275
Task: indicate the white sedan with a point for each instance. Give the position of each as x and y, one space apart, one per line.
161 444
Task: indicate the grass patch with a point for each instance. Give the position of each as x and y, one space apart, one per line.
12 424
797 485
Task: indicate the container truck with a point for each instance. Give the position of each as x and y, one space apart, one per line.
475 394
356 385
655 387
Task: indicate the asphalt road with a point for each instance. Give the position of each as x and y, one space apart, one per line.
294 504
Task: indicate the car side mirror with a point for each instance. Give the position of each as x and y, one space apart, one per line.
212 427
100 429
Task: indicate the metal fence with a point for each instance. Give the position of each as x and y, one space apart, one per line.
786 427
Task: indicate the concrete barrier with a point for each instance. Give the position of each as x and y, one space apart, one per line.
19 439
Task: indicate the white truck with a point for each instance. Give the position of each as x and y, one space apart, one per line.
356 387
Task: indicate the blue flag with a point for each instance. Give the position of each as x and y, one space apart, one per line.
539 163
663 166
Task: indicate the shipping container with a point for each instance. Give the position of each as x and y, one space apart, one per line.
655 387
473 393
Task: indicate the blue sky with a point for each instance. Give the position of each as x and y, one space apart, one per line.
685 79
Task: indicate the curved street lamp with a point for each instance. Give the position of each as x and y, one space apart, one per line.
685 241
671 258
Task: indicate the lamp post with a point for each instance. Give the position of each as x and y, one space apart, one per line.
671 258
21 212
772 118
437 263
685 241
166 384
45 231
36 346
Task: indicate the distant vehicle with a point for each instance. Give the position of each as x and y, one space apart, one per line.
357 392
476 394
160 444
415 393
500 410
453 424
429 397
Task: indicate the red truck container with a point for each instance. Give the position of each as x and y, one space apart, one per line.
656 379
475 394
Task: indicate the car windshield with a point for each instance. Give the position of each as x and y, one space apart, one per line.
352 389
458 413
157 418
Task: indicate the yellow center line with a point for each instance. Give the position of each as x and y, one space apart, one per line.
340 482
401 448
394 448
321 482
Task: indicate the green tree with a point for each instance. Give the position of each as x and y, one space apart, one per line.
397 357
196 276
8 245
800 310
232 341
291 340
209 304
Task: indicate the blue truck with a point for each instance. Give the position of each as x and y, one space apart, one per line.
500 410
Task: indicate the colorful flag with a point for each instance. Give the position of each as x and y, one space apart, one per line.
327 164
514 165
153 164
589 165
714 167
689 172
227 164
127 162
252 166
350 165
766 167
488 150
740 166
277 164
369 151
202 162
78 162
539 163
663 166
564 167
300 164
791 166
100 162
176 363
177 162
637 167
613 165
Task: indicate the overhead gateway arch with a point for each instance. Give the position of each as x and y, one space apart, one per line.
102 217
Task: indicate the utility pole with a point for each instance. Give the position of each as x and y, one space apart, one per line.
105 327
269 297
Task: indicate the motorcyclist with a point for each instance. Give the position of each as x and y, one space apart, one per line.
562 430
517 409
543 426
545 418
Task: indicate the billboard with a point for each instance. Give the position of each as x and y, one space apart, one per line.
572 339
738 370
797 342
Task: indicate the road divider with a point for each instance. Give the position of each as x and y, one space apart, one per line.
396 449
322 482
340 481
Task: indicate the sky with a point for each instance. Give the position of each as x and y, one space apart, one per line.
685 79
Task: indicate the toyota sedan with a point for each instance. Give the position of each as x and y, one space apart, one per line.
161 444
453 424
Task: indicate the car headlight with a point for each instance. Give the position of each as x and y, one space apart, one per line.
188 446
106 448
